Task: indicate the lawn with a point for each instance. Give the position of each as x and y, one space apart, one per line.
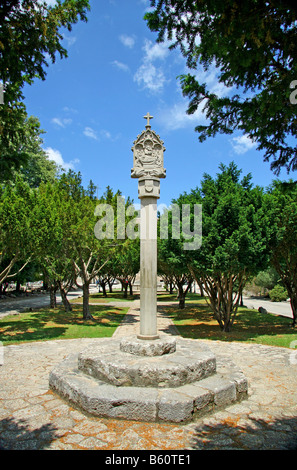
51 324
111 297
196 321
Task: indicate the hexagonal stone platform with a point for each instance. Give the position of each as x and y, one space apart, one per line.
106 381
108 362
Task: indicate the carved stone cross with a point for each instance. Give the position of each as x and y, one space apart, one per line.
148 117
148 167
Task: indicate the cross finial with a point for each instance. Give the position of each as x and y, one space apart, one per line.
148 117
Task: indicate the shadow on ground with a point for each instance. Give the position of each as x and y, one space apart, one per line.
16 435
253 434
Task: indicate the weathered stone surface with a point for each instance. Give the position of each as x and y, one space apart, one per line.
224 390
149 403
175 407
101 399
203 398
158 347
190 362
228 369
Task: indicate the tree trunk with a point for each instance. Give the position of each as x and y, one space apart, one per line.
125 289
86 307
103 285
66 303
53 299
201 288
226 327
182 301
131 288
181 296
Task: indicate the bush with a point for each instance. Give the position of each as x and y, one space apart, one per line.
278 294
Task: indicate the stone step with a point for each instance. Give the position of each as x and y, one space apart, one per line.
187 362
180 404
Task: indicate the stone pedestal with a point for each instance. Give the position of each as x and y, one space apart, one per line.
164 380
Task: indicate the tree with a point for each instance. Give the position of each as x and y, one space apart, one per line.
29 35
50 250
21 148
126 264
80 244
36 167
267 279
16 222
253 46
173 264
281 205
235 233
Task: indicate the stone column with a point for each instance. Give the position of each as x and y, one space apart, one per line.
148 268
148 167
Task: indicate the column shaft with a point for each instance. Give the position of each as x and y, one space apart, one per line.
148 269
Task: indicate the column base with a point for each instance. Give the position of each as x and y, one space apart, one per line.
148 337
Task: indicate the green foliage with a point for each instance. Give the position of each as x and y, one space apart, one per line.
252 44
267 279
16 225
278 294
29 35
30 32
21 152
281 209
235 234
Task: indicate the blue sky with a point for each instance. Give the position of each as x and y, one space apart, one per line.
92 104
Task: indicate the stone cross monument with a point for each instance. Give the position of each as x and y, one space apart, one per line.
148 167
168 378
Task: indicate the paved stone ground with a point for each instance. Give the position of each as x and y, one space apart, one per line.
32 417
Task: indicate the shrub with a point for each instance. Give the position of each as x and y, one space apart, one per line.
278 294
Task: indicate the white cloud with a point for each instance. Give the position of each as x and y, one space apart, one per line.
155 51
128 41
89 132
148 75
56 156
121 66
242 144
61 122
176 117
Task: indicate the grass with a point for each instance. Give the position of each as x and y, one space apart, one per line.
111 297
196 321
52 324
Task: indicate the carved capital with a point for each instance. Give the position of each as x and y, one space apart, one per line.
149 187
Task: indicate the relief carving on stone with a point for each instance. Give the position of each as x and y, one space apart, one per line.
148 152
